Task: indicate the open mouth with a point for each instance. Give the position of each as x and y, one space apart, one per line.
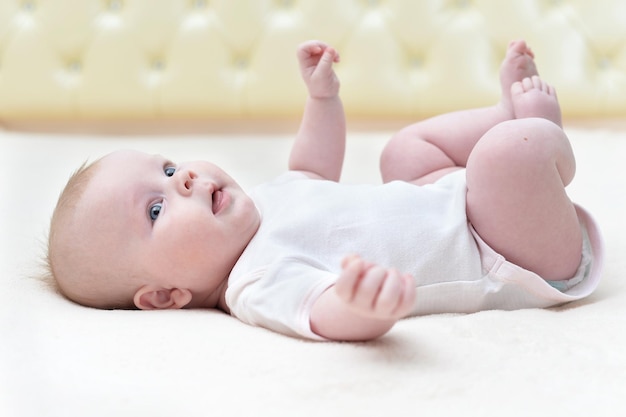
218 202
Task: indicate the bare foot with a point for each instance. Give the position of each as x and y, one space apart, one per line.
518 63
533 97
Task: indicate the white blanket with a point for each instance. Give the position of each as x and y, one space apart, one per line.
59 359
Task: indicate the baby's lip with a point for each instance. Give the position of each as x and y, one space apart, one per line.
220 200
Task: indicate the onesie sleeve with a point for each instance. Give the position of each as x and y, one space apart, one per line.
280 296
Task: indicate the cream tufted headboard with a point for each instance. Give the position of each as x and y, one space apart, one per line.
180 59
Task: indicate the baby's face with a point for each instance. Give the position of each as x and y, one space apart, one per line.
174 225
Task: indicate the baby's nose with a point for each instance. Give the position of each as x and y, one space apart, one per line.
186 181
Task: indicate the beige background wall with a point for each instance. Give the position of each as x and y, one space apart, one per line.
173 59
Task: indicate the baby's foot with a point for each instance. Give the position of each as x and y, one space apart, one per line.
518 63
533 97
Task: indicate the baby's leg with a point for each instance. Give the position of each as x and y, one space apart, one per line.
427 150
516 178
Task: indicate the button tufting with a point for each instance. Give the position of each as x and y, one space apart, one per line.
285 4
241 63
199 4
157 65
416 62
155 74
114 5
28 5
74 66
604 63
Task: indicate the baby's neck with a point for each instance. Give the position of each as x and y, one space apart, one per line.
215 299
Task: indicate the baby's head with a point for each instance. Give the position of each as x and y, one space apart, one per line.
136 230
76 269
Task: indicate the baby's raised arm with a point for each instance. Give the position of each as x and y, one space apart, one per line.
319 146
365 302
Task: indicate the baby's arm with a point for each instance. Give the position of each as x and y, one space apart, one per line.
365 303
320 143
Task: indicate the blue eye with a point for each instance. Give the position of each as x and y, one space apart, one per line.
154 211
169 171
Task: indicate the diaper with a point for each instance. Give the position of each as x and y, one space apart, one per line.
548 293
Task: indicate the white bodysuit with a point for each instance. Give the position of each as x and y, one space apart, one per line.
308 226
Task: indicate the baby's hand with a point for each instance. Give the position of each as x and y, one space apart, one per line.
375 291
316 65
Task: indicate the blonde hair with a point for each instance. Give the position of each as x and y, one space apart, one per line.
68 266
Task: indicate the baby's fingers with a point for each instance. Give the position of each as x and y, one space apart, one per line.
324 67
368 289
352 268
407 302
396 295
311 50
390 295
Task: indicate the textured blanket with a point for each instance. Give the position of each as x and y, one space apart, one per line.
59 359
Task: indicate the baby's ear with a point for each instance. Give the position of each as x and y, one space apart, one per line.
150 297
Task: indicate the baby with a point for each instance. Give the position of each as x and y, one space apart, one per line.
472 215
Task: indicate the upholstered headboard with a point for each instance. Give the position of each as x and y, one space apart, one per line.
173 59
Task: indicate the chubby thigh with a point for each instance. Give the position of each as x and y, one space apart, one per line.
516 198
